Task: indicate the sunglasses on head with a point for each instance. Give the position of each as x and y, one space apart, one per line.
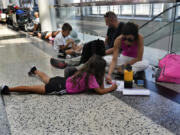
128 39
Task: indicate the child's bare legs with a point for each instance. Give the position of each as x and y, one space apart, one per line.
39 89
43 76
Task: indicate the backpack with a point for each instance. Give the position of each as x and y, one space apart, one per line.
169 69
92 47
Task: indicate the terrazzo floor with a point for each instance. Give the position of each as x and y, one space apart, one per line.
86 114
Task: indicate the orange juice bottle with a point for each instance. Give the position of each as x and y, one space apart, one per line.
128 77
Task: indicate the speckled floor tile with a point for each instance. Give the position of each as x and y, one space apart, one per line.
88 113
4 123
74 114
23 53
6 32
17 74
11 42
156 107
53 114
113 117
153 130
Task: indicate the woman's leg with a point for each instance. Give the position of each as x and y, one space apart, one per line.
140 66
43 76
40 89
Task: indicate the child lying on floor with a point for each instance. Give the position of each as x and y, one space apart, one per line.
90 76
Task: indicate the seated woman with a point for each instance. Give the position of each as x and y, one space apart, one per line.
131 43
47 35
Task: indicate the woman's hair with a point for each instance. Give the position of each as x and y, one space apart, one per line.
130 29
94 66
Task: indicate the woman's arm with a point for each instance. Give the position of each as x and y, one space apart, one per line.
105 90
140 51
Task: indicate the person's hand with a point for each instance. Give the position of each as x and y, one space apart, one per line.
108 79
70 41
114 86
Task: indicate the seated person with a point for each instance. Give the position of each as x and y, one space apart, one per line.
114 30
36 24
132 45
46 35
63 43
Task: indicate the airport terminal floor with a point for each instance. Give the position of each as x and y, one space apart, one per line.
86 113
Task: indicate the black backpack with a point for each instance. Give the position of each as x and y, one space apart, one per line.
93 47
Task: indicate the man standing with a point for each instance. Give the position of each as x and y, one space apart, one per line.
114 30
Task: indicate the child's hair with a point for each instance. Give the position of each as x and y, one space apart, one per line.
66 26
94 66
130 29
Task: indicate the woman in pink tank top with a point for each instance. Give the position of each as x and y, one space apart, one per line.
132 45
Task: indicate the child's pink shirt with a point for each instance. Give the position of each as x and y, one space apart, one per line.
80 85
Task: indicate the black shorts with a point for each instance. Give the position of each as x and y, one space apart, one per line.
43 34
56 85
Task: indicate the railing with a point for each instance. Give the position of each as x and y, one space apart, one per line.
158 15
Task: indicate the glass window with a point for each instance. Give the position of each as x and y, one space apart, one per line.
95 10
77 11
127 10
157 8
178 11
142 9
111 8
115 9
76 1
103 9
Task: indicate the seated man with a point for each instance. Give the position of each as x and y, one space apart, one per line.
114 30
63 43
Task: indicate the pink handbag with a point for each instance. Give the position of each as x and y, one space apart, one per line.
169 69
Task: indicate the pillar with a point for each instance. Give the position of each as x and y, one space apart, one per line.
47 15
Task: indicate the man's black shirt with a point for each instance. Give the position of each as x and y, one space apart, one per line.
113 33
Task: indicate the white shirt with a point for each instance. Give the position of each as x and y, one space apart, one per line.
59 41
36 21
